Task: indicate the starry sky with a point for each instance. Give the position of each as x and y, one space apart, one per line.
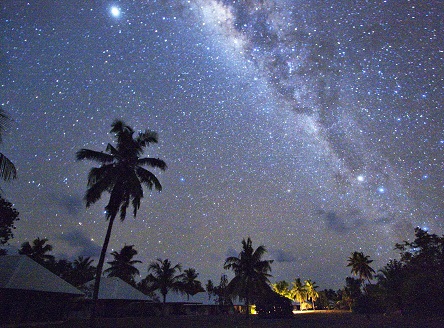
314 127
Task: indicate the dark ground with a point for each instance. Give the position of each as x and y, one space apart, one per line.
321 319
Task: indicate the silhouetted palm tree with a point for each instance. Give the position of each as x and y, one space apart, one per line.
82 271
251 273
360 267
190 284
7 168
122 175
123 265
310 287
164 277
38 251
298 291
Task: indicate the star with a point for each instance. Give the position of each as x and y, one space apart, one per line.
115 11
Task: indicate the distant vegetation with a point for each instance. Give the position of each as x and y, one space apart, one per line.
413 284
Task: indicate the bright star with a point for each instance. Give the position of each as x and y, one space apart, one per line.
115 11
360 178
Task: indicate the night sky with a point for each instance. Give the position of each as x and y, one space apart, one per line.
314 127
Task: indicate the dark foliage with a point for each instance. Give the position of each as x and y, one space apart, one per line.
123 265
38 251
414 284
8 216
368 304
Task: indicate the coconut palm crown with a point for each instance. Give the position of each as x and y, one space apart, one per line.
122 173
360 266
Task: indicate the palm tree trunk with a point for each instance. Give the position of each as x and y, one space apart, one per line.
92 322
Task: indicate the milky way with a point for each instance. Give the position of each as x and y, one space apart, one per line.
314 127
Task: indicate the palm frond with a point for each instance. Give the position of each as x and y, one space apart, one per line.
148 178
147 137
105 172
100 179
7 168
93 155
4 123
152 162
112 150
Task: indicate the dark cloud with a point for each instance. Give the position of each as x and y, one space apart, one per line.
280 255
79 239
71 204
342 222
231 252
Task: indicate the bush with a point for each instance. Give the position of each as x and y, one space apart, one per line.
368 304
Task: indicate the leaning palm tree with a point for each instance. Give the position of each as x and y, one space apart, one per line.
164 277
298 291
360 267
310 287
122 175
251 273
7 168
123 265
190 284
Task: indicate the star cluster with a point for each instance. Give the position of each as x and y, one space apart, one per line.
315 128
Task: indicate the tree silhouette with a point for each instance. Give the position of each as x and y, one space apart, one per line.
8 215
210 288
360 266
221 292
251 273
123 265
164 277
38 251
122 175
190 284
82 271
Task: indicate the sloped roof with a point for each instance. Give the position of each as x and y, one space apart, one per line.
113 288
21 272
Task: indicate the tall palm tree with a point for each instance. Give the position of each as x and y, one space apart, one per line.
190 284
38 251
298 291
164 277
310 287
123 265
7 168
360 266
251 273
122 175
